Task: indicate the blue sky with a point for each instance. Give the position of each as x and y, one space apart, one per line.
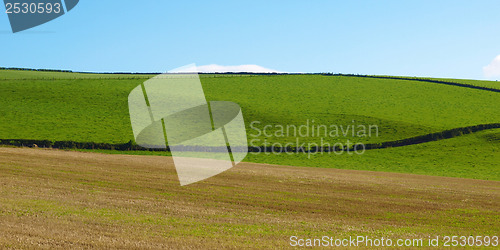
446 38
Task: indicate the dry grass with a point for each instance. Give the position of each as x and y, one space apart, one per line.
61 199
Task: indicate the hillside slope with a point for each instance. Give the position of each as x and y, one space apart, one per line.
94 108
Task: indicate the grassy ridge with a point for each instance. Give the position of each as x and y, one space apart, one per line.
400 108
96 110
49 75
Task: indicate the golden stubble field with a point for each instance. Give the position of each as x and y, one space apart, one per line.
66 199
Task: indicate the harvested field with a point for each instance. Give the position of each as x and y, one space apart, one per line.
62 199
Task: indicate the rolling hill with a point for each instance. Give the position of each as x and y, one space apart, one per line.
62 106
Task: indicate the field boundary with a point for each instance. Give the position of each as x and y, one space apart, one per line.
131 146
464 85
148 75
437 136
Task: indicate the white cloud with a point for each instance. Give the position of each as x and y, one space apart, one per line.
493 69
214 68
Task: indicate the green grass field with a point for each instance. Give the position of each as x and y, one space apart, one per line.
94 108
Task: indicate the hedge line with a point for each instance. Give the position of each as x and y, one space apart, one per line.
70 144
131 146
422 80
28 69
447 134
